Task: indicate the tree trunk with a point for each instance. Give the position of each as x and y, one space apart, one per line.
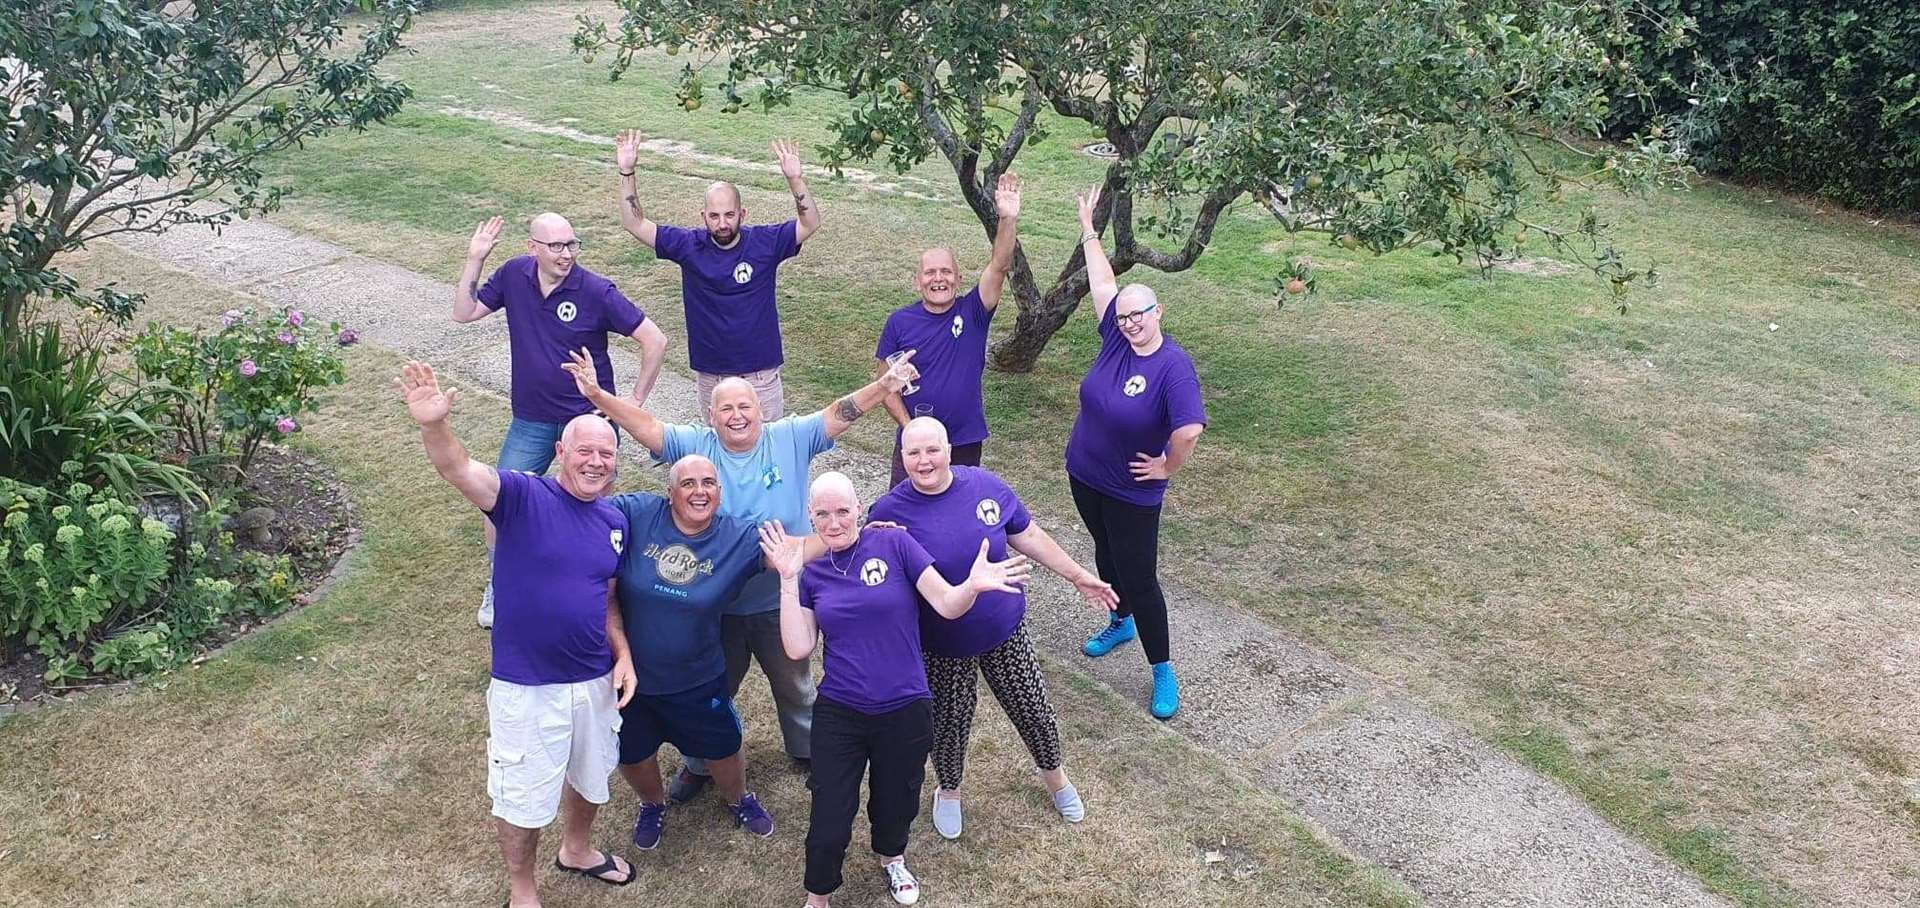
1040 316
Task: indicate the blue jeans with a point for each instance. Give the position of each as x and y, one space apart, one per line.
529 445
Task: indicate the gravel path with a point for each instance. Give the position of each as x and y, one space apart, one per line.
1459 821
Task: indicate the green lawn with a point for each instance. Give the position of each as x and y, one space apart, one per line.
1663 556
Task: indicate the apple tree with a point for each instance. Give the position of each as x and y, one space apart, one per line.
1383 124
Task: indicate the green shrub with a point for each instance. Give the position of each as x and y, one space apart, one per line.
1813 96
253 379
59 405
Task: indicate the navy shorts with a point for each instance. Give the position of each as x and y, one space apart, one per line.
700 722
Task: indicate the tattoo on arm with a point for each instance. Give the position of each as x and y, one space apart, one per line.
634 203
800 203
846 409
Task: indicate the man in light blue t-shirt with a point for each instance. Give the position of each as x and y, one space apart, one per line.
763 476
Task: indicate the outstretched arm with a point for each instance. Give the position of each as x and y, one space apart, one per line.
653 352
798 630
626 154
429 406
844 411
806 207
993 280
952 601
1035 543
637 420
1101 283
466 294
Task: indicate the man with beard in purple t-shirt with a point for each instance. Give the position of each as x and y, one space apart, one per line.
727 272
949 331
554 305
561 665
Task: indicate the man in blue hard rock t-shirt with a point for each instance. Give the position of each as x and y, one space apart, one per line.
553 305
561 670
727 272
763 469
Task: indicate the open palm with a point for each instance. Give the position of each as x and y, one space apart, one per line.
426 401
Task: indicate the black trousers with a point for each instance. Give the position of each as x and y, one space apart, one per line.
965 455
889 749
1126 547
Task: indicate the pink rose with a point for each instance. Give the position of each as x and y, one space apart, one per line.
348 337
296 319
286 337
230 317
286 425
247 368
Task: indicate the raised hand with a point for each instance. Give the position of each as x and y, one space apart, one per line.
788 155
1006 576
785 553
1148 469
626 150
1089 201
1006 197
585 377
901 371
485 235
1097 592
426 403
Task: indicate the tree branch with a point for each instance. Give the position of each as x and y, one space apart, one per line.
1197 238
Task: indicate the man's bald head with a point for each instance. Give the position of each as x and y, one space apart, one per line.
548 227
937 277
586 451
588 426
723 213
723 196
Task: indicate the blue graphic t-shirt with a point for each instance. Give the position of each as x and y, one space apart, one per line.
673 588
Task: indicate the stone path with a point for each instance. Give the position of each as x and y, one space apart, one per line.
1459 821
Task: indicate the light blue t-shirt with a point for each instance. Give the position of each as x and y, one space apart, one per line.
766 483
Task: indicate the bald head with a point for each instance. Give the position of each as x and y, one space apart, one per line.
1140 295
723 196
834 509
588 427
690 466
937 277
586 451
924 430
548 227
832 484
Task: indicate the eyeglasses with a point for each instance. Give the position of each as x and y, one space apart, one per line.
1137 316
557 248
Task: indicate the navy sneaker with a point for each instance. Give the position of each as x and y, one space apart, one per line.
1117 631
687 786
749 815
646 829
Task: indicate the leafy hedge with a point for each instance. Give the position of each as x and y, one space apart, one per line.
1817 96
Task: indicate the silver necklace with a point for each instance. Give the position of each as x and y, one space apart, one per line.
836 565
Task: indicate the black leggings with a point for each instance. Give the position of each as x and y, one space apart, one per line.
1126 545
890 751
1013 674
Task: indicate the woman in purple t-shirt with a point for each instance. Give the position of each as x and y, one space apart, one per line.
872 718
1140 416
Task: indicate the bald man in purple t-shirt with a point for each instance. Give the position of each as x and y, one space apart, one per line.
554 305
727 272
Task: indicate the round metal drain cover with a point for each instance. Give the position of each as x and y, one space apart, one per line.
1102 150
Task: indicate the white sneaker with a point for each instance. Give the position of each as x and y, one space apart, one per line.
900 882
946 815
1067 801
484 617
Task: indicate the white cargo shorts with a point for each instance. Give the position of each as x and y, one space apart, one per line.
541 737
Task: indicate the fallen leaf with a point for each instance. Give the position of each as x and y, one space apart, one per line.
1215 857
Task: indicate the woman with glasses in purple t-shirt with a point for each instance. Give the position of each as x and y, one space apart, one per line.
873 717
1140 416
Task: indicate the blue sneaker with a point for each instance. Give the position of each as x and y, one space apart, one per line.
1117 631
1166 691
646 829
749 815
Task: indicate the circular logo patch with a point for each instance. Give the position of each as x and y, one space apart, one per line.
676 564
1134 386
874 572
959 326
566 311
988 511
742 273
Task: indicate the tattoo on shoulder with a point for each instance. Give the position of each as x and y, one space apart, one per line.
847 410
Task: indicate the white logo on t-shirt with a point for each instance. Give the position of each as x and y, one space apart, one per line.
742 273
1134 386
566 311
676 564
616 538
874 572
959 326
988 511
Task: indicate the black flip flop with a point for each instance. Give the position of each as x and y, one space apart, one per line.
593 873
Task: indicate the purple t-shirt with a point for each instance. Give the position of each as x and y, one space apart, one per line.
1130 405
542 331
553 559
733 324
977 505
951 352
870 616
